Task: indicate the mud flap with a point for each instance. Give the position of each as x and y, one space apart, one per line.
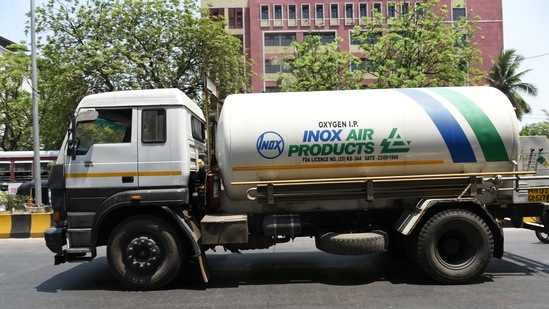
204 268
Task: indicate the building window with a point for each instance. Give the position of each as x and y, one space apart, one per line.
354 41
334 14
319 15
305 14
264 12
272 89
349 10
334 11
363 65
264 15
349 14
391 10
217 12
277 8
325 37
274 66
319 11
292 15
277 11
377 7
405 8
235 18
279 39
458 13
372 39
362 12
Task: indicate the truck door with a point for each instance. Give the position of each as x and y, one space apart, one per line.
104 159
158 165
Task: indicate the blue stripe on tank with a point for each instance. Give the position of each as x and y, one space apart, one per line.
455 138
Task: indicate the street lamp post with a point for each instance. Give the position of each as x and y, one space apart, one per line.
35 124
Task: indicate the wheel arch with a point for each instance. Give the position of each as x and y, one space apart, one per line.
411 222
105 223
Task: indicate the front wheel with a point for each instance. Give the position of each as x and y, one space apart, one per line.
543 237
454 246
144 253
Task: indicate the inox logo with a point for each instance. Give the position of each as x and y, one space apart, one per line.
270 145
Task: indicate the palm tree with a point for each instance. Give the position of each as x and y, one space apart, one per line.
505 77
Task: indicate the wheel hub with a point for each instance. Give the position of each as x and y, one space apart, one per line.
456 249
143 254
451 246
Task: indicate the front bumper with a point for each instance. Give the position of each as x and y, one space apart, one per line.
56 239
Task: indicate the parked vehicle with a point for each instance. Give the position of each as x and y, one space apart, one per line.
16 167
426 170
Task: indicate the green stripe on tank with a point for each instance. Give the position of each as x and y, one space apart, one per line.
485 131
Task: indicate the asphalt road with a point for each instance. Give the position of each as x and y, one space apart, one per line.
292 275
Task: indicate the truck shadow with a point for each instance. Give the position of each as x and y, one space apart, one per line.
515 265
268 268
311 267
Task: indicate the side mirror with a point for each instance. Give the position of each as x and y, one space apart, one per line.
87 115
84 116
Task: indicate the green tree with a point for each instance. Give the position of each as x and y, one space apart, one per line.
15 102
132 44
539 128
315 67
504 76
418 48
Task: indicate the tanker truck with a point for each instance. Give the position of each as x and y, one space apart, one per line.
430 172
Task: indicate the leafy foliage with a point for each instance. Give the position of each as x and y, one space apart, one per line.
15 102
107 45
504 76
540 128
317 67
14 203
418 48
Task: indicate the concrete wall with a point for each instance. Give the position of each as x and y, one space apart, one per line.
24 225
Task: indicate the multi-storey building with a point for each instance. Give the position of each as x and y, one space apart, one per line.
268 27
4 43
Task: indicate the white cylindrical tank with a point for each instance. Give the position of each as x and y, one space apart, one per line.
364 133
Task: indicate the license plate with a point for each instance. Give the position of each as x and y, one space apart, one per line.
538 195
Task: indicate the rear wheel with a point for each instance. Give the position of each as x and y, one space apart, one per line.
144 253
454 246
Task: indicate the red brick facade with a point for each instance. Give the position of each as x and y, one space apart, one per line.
267 26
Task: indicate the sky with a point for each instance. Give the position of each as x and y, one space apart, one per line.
524 26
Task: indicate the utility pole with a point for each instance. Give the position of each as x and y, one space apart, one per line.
35 124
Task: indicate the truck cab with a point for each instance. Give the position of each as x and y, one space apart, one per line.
121 157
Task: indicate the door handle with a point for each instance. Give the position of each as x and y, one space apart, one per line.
127 179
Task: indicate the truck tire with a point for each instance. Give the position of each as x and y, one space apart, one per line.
543 237
144 253
454 246
352 244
